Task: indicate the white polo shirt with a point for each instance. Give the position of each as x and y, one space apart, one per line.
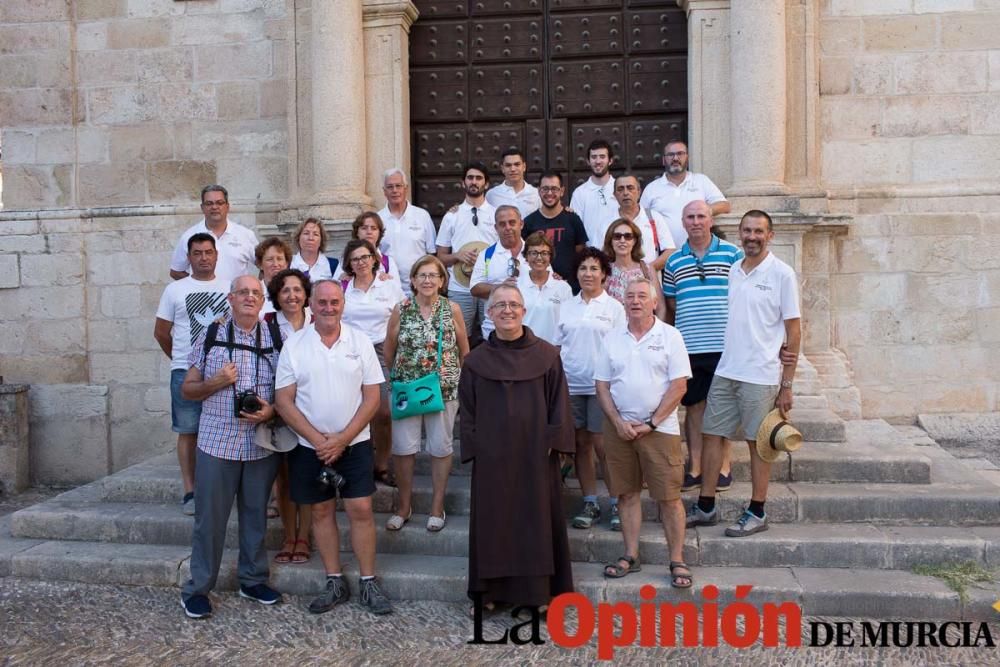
648 242
669 200
641 370
407 238
527 200
318 271
328 381
581 332
369 311
597 207
495 273
457 230
543 304
235 248
759 304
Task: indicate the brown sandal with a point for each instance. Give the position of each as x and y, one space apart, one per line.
301 556
285 556
680 571
616 571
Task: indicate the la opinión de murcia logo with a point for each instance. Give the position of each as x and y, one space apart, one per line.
738 624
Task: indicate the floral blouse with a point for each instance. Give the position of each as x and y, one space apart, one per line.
619 280
416 348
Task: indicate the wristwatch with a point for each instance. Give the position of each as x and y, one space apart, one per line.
650 424
787 384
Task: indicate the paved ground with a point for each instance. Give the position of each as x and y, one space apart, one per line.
81 624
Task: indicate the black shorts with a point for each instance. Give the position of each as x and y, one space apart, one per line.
357 466
702 369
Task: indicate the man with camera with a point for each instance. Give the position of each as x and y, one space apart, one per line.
327 392
232 374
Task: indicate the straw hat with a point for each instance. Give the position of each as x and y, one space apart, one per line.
776 435
463 272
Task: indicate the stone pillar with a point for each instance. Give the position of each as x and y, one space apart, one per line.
338 107
759 96
387 88
708 88
14 462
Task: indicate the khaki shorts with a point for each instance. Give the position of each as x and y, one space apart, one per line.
656 457
732 404
440 427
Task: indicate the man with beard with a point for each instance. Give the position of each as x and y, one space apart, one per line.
677 187
471 222
564 229
515 421
594 199
754 375
657 241
514 190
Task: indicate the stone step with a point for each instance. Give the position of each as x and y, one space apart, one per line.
857 460
821 425
791 544
858 593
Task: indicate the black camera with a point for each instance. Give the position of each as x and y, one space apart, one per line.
248 401
331 478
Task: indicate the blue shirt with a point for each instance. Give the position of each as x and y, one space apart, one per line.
701 288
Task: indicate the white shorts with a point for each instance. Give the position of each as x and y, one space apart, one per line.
440 427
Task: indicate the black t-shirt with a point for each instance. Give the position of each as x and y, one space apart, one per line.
566 231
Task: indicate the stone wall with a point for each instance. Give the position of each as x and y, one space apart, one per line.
131 102
910 122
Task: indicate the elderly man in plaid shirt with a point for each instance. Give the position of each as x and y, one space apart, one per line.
239 360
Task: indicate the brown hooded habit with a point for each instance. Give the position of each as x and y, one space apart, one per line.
515 419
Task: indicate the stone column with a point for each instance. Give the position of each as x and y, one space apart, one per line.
708 88
387 88
14 462
759 96
338 105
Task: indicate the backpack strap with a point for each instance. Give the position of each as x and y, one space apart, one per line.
489 255
275 331
210 335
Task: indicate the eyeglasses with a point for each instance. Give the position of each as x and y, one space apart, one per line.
537 254
604 199
475 216
394 186
513 306
671 156
513 267
701 271
243 293
550 188
361 259
213 204
623 236
428 276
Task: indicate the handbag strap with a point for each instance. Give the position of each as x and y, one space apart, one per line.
440 347
656 237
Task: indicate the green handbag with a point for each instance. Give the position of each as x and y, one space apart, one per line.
421 396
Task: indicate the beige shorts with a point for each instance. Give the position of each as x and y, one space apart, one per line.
440 428
732 404
656 457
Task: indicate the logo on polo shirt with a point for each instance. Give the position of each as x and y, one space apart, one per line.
763 287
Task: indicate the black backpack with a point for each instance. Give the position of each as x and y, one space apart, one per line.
213 330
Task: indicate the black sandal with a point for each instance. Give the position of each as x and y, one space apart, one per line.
683 573
616 571
386 477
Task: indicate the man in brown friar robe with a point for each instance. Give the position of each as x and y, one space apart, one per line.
515 419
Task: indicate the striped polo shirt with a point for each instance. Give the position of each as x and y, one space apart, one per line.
701 288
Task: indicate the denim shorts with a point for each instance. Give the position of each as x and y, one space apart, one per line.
184 414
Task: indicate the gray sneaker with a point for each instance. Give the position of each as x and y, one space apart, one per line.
748 524
616 520
335 593
187 505
588 516
373 597
697 517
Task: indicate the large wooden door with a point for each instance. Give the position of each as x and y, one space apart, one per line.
547 76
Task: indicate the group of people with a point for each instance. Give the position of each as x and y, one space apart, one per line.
560 337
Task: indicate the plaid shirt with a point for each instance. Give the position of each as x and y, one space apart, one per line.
220 432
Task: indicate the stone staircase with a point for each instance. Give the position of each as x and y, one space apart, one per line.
852 512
